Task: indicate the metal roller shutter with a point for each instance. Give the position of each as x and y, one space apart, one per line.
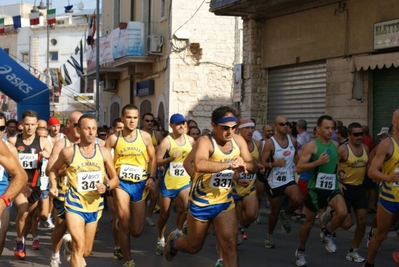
385 98
297 92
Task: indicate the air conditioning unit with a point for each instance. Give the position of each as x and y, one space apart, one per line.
155 44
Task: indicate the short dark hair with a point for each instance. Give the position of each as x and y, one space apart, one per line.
190 121
129 107
30 113
12 121
147 114
302 124
85 116
220 112
322 118
343 131
189 130
116 121
354 125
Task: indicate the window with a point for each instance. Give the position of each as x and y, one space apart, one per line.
25 57
53 42
163 9
53 56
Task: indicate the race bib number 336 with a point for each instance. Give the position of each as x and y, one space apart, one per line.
131 173
87 180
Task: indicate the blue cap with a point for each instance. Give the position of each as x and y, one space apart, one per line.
177 118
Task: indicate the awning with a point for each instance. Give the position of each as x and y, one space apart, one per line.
375 61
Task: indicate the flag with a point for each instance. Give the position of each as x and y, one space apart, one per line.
17 21
34 18
76 66
60 78
81 54
68 80
50 16
1 25
92 30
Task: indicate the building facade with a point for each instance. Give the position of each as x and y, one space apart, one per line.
304 59
186 66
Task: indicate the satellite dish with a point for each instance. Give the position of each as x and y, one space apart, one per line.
81 6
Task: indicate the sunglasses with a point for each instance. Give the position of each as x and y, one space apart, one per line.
228 127
357 134
149 120
283 123
2 128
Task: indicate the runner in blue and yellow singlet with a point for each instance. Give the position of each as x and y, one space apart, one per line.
134 157
176 182
86 164
385 168
216 157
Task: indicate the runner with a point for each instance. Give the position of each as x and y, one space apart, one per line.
86 164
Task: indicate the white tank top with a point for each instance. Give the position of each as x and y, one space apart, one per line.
280 176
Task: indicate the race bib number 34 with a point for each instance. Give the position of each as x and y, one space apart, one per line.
87 180
28 161
177 169
131 173
325 181
223 179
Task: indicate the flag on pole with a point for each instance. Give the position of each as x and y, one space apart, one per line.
92 30
17 21
50 16
1 25
34 18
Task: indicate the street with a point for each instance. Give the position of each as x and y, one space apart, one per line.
251 254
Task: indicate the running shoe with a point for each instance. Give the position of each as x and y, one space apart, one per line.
243 234
49 224
219 263
36 244
117 254
55 262
258 220
67 240
129 264
354 256
326 216
20 252
329 243
285 220
159 249
269 242
300 258
240 239
168 252
149 222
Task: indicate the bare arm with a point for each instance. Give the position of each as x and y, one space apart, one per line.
307 152
46 147
188 162
109 165
384 150
201 157
64 157
10 163
111 142
249 165
53 158
161 151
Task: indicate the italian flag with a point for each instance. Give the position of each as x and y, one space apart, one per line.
1 25
34 18
51 16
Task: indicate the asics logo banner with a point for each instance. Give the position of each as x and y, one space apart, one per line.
15 80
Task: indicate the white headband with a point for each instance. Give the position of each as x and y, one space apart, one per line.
248 124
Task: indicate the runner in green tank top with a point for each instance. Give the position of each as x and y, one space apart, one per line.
320 156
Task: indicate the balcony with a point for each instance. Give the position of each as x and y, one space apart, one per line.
83 101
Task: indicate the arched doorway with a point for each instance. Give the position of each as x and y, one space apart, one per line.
115 112
145 107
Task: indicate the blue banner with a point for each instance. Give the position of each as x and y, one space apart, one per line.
22 87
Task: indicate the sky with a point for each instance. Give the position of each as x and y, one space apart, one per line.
58 4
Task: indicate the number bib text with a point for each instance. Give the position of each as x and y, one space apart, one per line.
247 176
223 179
87 180
177 169
28 161
325 181
131 173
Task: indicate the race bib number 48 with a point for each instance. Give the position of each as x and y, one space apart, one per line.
131 173
325 181
223 179
87 180
177 169
28 161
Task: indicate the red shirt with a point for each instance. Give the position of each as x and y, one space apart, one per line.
369 142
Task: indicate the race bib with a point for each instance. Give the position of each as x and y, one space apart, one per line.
44 181
396 183
1 173
223 179
325 181
28 161
176 169
247 176
87 180
131 173
281 176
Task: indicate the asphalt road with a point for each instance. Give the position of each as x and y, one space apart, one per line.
251 254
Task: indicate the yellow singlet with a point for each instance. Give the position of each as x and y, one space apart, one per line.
83 175
214 188
131 158
355 167
390 190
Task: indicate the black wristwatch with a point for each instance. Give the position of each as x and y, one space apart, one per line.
108 188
